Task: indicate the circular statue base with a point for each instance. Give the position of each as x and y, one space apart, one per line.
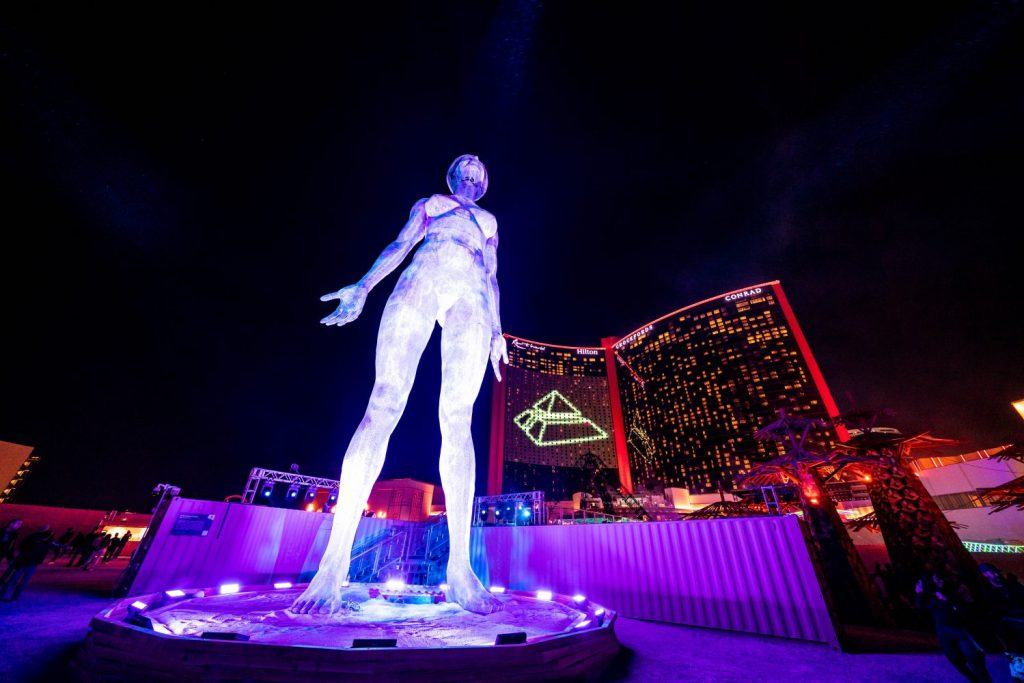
409 633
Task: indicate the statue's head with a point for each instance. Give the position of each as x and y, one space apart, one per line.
467 177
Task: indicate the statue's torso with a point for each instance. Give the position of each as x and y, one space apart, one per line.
456 234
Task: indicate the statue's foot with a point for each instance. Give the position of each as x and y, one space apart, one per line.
465 589
324 595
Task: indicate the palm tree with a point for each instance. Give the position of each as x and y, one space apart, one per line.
1010 494
917 534
848 586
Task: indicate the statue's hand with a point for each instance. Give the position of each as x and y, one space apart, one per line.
350 304
499 352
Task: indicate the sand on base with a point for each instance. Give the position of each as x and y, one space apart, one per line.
264 617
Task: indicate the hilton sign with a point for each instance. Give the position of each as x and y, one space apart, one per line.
743 295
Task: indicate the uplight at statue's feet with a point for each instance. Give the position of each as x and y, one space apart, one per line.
466 590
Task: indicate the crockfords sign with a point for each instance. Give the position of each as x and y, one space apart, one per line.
743 295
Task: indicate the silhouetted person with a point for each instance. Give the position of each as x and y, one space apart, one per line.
117 544
95 551
32 551
62 544
951 629
8 540
77 547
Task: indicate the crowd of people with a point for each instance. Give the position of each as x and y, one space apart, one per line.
969 617
23 555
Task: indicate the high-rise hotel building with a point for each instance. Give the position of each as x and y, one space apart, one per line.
676 401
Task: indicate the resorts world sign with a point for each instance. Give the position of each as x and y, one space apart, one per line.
743 294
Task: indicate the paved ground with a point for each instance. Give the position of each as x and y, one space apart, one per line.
39 634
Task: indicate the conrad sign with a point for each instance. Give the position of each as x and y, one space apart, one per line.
735 296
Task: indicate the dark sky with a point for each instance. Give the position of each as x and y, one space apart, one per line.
178 190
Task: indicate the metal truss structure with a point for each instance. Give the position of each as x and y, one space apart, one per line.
488 510
258 476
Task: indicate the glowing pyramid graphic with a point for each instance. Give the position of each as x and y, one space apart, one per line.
554 421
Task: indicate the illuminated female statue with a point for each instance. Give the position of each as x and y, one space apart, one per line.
451 280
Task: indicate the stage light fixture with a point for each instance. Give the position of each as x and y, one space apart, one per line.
579 598
175 593
268 488
293 492
137 619
332 498
360 643
497 589
223 635
311 493
517 638
282 584
229 588
544 595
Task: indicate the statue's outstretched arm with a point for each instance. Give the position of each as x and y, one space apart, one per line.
352 298
499 351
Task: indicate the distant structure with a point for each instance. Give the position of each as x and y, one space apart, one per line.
15 463
675 403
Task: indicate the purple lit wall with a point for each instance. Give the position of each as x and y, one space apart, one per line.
752 575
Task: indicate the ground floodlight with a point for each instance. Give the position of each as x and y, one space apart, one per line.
137 619
443 586
497 589
544 595
282 584
175 593
583 624
223 635
359 643
579 598
394 584
229 588
139 605
516 638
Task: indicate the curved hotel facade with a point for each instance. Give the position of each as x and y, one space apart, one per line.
675 402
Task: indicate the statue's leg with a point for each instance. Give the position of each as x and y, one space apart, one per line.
465 343
404 331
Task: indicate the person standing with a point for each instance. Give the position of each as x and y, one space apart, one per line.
62 544
962 651
8 540
31 553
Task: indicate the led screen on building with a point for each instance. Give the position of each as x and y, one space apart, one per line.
557 419
674 403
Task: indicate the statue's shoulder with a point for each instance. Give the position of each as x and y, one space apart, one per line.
440 204
487 222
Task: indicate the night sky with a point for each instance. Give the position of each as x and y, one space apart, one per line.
179 190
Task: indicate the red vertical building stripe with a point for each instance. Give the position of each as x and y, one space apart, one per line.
496 459
618 424
812 365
